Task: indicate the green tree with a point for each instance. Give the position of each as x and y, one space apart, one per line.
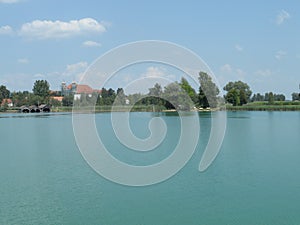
279 97
107 97
233 97
257 98
41 88
176 97
4 93
68 100
155 96
271 98
208 91
239 88
295 96
121 97
20 98
184 84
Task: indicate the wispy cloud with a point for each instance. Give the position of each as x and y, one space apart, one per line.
280 55
239 48
282 16
91 44
230 73
47 29
264 73
153 71
6 30
23 61
9 1
76 67
226 68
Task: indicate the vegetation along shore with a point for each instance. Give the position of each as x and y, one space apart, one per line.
177 95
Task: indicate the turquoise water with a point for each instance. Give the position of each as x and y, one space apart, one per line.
254 180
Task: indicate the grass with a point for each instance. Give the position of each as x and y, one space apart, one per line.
265 106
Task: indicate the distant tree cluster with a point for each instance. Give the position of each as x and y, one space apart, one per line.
179 95
296 96
268 97
238 93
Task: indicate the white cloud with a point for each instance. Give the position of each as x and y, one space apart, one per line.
241 73
230 73
238 47
153 71
6 30
9 1
226 68
282 16
23 61
280 55
46 29
264 73
91 44
73 68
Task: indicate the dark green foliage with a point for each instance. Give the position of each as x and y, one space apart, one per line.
68 100
121 97
208 91
4 93
41 88
107 97
176 97
184 84
296 96
238 93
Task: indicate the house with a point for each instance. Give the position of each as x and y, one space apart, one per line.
57 98
8 102
77 89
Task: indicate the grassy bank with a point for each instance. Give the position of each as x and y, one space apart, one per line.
253 106
265 106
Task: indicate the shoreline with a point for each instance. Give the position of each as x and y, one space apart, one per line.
147 109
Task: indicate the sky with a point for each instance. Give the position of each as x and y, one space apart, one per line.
251 41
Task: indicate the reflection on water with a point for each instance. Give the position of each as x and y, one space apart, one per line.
254 180
31 115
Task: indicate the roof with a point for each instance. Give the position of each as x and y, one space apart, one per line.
6 101
83 88
58 98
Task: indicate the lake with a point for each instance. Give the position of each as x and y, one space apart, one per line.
254 180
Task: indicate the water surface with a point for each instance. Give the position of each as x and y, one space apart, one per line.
254 180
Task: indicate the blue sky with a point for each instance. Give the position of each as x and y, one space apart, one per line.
252 41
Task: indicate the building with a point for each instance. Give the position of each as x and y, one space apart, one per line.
77 89
57 98
8 102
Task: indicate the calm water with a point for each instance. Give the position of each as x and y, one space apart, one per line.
254 180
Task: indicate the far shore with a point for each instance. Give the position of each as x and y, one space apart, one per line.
286 106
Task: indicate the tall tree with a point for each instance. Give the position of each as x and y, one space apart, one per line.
121 97
296 96
184 84
239 88
208 91
155 95
271 98
41 88
176 96
4 93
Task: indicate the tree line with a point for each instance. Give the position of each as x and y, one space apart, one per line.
179 95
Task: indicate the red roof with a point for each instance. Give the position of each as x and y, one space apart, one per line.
83 88
6 101
58 98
